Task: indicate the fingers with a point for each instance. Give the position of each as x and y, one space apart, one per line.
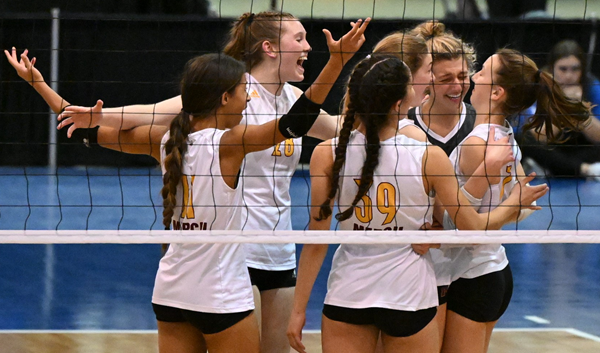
68 121
100 104
328 36
71 130
296 342
492 134
529 178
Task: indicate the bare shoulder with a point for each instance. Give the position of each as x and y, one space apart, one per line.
413 132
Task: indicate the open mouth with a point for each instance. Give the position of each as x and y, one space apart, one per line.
301 61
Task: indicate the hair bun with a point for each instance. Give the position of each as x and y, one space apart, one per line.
429 29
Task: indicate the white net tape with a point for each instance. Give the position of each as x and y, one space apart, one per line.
297 236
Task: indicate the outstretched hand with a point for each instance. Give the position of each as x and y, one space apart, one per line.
350 43
527 194
77 117
25 67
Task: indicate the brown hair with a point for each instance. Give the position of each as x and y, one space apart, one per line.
250 31
406 47
444 45
525 84
204 80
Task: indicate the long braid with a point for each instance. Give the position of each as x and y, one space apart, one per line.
340 159
204 81
353 87
175 149
382 85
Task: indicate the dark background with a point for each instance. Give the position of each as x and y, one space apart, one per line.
124 57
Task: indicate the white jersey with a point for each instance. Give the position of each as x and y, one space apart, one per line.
266 178
476 261
211 278
384 276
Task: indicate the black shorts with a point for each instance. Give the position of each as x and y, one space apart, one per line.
482 299
395 323
266 280
207 323
442 292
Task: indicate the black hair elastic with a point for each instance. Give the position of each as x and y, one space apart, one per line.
537 76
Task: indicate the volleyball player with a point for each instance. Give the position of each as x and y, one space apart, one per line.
178 337
481 288
273 46
381 289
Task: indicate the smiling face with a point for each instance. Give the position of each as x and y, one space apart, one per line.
451 84
292 51
422 78
481 97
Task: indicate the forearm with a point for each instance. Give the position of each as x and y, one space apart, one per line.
480 181
318 91
309 265
128 117
53 99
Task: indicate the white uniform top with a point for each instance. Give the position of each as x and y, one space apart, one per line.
211 278
476 261
384 276
266 178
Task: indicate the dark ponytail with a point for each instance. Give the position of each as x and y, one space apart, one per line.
204 80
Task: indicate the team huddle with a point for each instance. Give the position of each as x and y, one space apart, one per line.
405 154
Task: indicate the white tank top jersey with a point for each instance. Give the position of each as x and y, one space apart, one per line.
266 178
210 278
476 261
384 276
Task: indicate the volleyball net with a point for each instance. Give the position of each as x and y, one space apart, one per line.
96 196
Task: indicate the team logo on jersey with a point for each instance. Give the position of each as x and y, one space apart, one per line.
254 94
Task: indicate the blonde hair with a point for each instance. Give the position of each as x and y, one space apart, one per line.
444 45
407 47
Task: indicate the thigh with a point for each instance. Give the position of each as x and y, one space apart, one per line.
463 335
180 337
481 299
276 308
338 336
243 337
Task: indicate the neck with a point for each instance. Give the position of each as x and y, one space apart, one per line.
206 122
388 130
493 117
437 116
268 76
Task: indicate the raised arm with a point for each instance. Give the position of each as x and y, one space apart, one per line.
27 71
438 175
312 255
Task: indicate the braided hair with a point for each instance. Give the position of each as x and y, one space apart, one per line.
204 80
375 85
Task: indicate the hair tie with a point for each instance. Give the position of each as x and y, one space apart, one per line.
377 63
368 56
185 112
537 76
250 19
